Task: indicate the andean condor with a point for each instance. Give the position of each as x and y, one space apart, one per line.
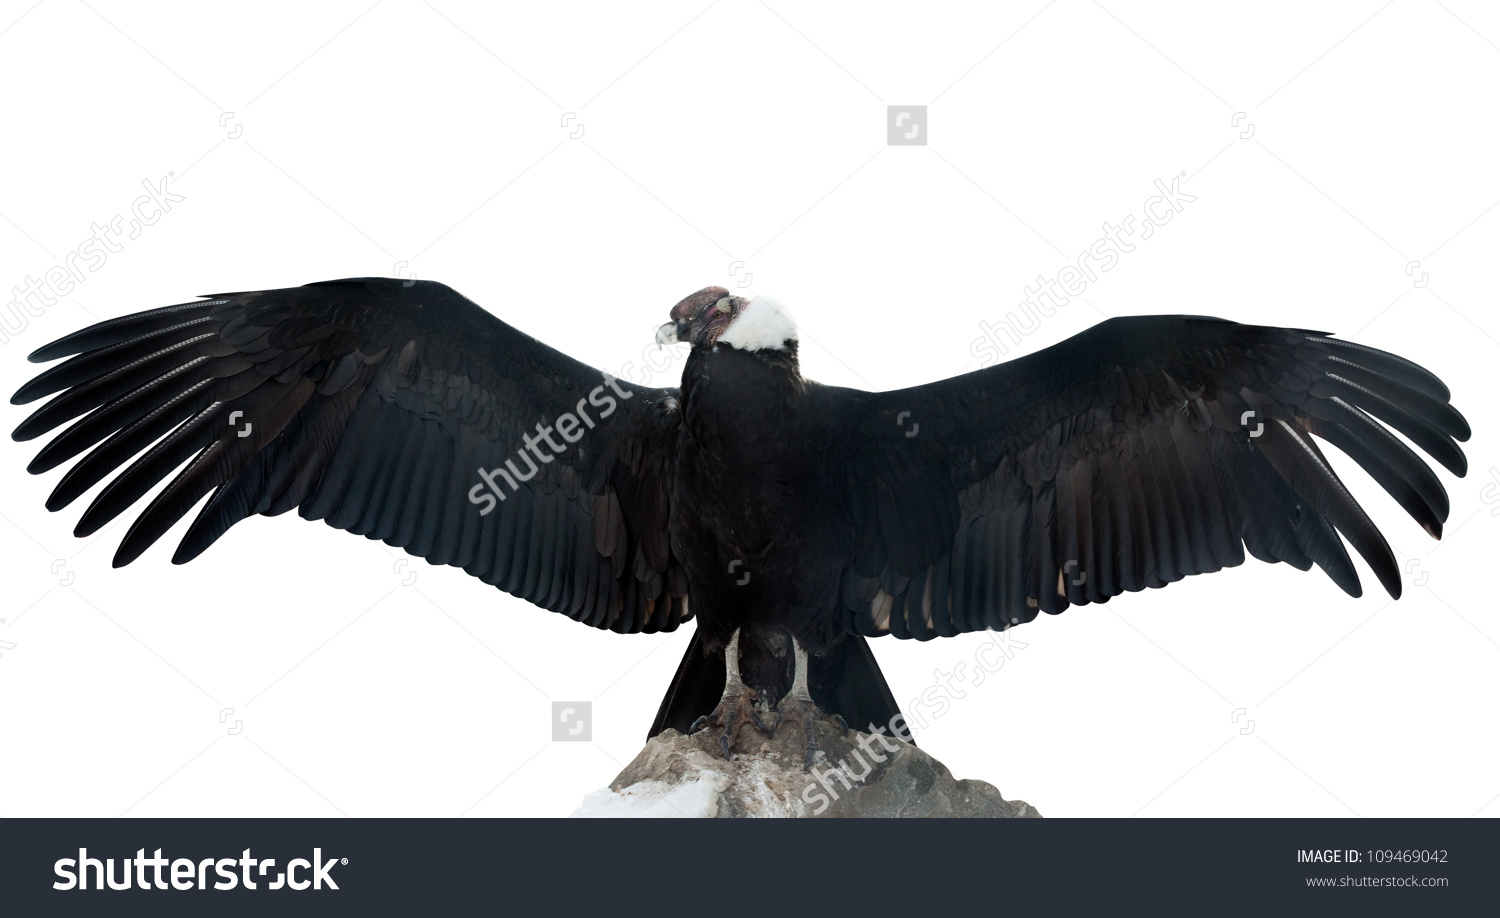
792 519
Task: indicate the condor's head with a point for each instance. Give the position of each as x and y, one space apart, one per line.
712 317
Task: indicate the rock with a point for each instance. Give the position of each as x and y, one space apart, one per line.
853 775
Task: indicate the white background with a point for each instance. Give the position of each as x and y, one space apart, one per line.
436 135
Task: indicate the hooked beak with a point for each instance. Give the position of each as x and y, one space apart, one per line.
667 334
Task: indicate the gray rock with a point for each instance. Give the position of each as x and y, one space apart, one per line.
853 775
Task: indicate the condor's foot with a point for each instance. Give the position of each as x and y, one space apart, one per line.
798 705
806 714
736 709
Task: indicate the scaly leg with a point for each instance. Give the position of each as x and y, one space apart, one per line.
798 705
737 704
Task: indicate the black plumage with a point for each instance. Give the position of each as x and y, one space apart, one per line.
1132 455
370 405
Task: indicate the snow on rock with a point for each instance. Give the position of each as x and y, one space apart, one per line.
691 799
854 774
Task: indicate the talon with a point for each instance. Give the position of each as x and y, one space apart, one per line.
805 713
798 705
736 706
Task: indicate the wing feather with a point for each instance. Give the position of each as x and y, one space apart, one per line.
1128 457
371 404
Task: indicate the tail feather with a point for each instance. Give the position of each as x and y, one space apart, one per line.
847 681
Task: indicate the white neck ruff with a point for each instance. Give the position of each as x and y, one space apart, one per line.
763 324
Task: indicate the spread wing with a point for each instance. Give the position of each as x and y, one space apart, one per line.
1129 456
374 405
